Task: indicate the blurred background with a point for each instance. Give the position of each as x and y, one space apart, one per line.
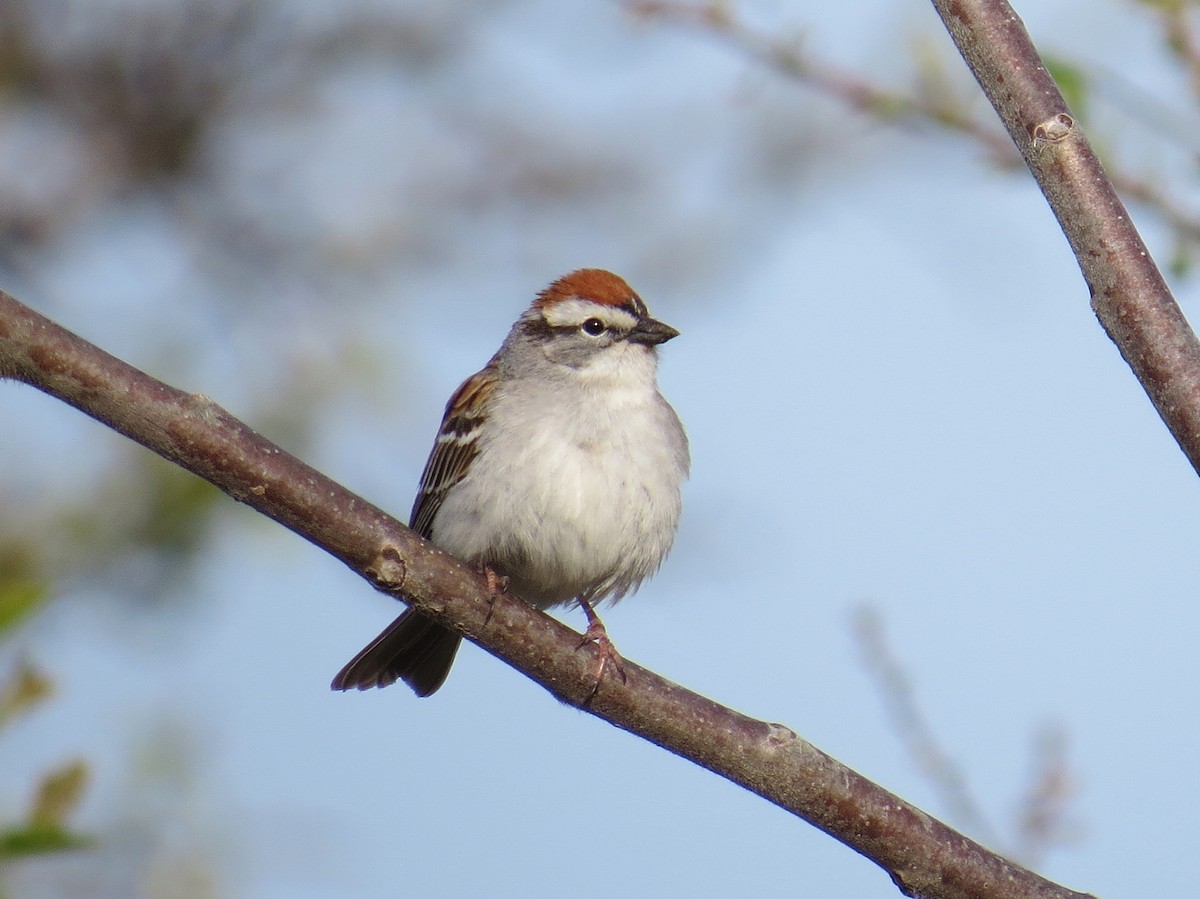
921 471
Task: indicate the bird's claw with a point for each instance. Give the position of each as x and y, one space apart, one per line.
607 652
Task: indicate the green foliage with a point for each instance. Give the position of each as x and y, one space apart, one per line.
45 827
58 793
25 689
147 504
1181 263
1170 6
1072 81
176 508
19 597
21 842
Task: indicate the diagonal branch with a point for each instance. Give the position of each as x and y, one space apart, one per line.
923 856
1128 292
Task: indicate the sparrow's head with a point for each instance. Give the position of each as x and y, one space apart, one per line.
592 315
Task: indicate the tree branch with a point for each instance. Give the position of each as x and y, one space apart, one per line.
1129 295
923 856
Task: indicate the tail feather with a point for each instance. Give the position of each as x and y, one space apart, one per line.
412 648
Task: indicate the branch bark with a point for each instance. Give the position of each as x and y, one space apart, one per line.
923 856
1128 293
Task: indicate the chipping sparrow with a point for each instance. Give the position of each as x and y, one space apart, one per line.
557 468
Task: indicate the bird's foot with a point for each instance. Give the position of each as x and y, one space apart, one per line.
608 655
497 585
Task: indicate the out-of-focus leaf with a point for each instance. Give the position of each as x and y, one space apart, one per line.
23 690
1164 5
1181 263
18 842
1072 81
58 795
177 514
19 597
935 87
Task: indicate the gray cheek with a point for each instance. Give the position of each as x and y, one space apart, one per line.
574 351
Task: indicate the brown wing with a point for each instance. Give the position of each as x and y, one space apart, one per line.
456 446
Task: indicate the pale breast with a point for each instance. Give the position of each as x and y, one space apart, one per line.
580 500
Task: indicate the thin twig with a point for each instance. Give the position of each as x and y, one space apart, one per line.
909 724
792 59
1181 38
1043 819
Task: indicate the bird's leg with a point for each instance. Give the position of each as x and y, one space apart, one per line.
497 585
596 633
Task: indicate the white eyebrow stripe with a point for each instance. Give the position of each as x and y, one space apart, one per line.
573 312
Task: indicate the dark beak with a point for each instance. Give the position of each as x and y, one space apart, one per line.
651 332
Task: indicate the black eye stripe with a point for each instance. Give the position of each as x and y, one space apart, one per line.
634 307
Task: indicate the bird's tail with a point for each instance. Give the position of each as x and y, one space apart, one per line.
413 649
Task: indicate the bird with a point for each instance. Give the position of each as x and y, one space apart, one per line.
557 470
